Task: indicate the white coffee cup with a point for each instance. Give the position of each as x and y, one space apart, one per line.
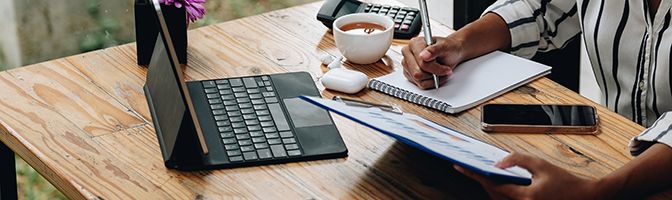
363 48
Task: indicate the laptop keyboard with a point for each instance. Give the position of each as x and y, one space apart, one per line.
250 119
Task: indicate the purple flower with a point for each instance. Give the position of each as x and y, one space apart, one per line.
195 8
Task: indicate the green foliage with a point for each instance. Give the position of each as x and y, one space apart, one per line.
32 185
219 11
105 34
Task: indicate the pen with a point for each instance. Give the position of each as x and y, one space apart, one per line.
424 15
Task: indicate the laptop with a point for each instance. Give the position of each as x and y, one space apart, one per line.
234 121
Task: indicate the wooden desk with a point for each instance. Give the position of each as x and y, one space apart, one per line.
83 123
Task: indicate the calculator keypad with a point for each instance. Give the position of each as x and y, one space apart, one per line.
403 16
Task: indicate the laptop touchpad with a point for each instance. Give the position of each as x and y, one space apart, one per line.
305 114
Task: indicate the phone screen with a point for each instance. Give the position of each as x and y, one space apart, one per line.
543 115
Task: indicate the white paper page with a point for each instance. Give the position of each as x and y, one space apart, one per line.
476 79
430 135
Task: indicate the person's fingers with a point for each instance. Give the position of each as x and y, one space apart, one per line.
411 66
531 163
436 68
431 52
443 79
421 75
422 84
410 78
416 46
404 64
426 84
427 55
408 74
429 83
404 51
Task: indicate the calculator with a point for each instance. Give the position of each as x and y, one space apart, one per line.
407 22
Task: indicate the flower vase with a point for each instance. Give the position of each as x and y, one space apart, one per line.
147 30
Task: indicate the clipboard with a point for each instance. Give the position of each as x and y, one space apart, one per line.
418 132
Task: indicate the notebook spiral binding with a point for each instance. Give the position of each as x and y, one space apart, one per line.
409 96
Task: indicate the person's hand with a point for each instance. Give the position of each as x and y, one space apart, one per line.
421 61
548 181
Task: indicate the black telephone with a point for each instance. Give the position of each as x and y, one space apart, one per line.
407 22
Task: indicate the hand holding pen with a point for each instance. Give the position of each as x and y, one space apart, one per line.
422 61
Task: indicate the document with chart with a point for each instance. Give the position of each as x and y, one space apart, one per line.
428 136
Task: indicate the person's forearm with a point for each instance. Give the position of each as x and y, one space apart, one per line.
487 34
648 173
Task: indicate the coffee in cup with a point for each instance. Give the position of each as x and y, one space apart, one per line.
362 28
363 38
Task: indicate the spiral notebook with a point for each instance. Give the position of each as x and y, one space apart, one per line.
472 83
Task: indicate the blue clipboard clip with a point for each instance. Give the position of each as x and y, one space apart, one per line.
358 103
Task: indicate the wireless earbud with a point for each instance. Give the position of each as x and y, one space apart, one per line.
326 59
336 63
331 61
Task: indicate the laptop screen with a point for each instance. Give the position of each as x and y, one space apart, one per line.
167 88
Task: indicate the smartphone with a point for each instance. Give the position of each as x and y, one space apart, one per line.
538 118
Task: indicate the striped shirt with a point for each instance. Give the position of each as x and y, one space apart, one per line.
629 49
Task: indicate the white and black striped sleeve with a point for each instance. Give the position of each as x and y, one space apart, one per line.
538 25
657 133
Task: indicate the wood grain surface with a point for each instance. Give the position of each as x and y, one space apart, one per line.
83 123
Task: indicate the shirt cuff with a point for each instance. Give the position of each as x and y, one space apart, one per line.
657 133
525 32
